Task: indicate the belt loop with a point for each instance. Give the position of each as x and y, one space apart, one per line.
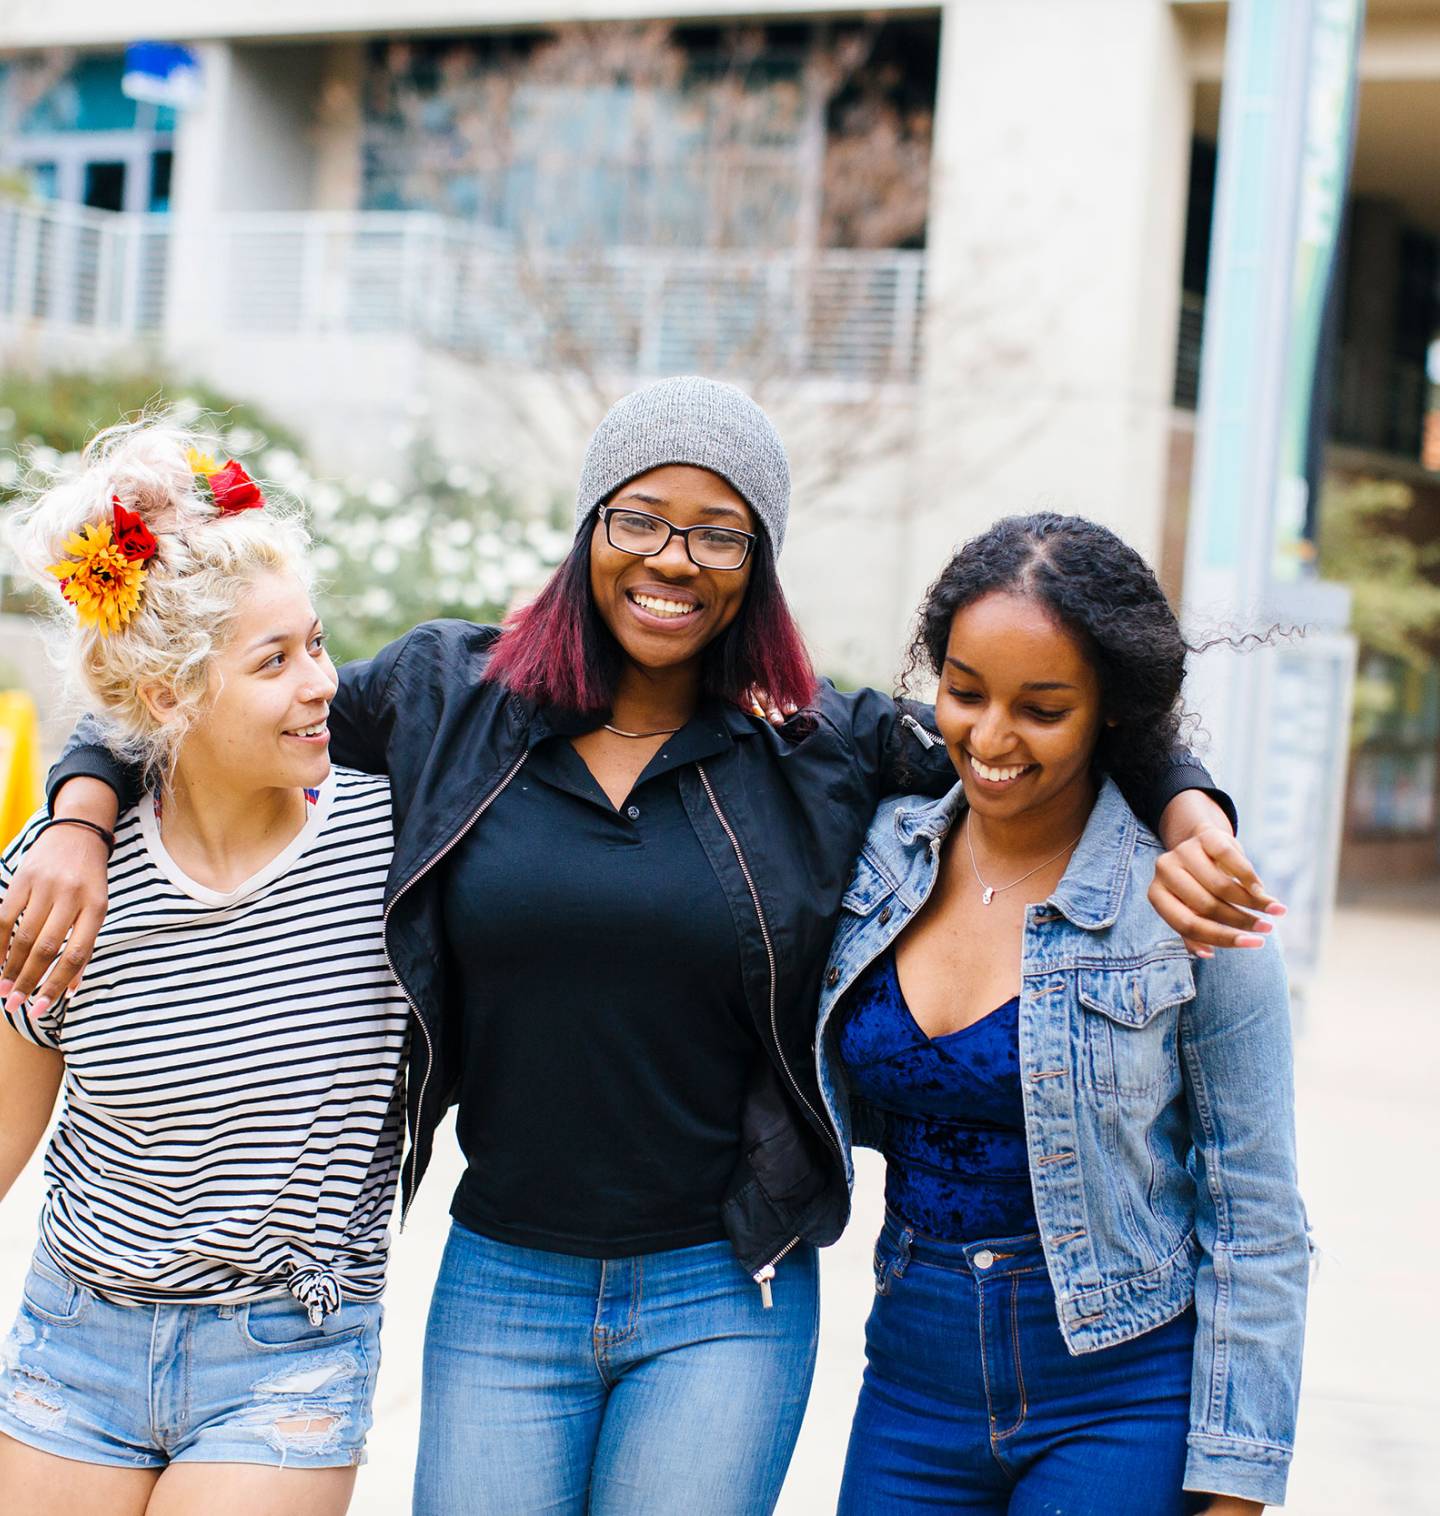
903 1252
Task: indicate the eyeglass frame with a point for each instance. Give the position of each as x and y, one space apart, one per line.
683 532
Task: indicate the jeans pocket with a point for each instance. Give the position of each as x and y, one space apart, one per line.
47 1294
281 1324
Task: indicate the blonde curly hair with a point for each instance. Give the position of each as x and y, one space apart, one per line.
193 588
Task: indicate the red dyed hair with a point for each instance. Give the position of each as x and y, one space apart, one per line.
558 651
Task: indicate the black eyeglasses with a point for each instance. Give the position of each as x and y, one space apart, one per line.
711 547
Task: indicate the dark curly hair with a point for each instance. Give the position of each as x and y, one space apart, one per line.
1105 595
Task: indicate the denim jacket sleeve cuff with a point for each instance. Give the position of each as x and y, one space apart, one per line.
1231 1466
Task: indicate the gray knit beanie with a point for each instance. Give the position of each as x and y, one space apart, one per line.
697 421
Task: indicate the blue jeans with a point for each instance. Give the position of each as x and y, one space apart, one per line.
143 1386
570 1385
972 1403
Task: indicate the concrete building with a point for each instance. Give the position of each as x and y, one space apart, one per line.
365 216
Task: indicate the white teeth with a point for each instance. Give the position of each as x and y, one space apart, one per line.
997 776
658 607
309 731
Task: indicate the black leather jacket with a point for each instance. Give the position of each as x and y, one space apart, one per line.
781 816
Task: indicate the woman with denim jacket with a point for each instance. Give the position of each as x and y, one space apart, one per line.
612 896
1090 1283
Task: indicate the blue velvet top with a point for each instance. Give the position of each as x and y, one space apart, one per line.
955 1156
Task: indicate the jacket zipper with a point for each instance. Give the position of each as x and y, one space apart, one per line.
927 739
419 874
765 1275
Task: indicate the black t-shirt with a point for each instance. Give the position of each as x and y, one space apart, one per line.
608 1039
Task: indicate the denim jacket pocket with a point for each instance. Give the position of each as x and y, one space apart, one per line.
1130 1021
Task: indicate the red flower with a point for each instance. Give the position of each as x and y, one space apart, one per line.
132 536
232 490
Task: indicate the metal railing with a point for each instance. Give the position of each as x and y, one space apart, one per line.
69 266
835 314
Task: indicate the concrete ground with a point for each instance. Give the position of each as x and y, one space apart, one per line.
1368 1058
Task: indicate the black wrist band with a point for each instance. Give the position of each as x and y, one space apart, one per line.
108 838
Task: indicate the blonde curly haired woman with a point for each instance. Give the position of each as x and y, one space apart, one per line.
199 1325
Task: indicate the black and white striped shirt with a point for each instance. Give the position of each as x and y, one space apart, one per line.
234 1107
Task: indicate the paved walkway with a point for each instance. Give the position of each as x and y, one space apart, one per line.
1368 1070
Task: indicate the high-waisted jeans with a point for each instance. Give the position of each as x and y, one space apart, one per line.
972 1403
573 1385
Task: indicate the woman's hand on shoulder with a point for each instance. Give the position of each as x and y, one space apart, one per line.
758 703
1205 888
53 910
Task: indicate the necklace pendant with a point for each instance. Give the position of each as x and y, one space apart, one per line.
987 895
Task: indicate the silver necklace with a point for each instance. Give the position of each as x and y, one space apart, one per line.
989 891
668 731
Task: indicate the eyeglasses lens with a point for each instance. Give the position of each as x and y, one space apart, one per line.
710 547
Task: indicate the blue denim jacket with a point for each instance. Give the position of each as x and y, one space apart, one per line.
1159 1117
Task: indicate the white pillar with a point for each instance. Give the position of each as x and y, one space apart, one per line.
249 145
1059 186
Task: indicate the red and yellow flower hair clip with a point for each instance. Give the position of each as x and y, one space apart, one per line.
228 487
105 572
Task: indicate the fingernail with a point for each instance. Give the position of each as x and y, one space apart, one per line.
1261 925
1276 909
13 1001
40 1005
1246 940
755 707
1203 953
6 985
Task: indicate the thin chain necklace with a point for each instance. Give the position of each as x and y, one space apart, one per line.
989 891
668 731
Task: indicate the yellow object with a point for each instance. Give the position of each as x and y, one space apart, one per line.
201 463
19 762
98 579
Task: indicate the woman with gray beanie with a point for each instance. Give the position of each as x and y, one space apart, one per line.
613 893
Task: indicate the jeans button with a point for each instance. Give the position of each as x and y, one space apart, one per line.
984 1258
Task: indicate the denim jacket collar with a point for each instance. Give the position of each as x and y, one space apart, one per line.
930 819
1093 887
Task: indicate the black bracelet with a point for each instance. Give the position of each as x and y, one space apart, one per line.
108 838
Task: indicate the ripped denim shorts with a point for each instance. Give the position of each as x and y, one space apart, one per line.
145 1386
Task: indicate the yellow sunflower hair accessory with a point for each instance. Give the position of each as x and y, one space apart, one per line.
105 572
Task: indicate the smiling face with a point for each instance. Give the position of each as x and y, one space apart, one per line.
664 610
270 688
1019 708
